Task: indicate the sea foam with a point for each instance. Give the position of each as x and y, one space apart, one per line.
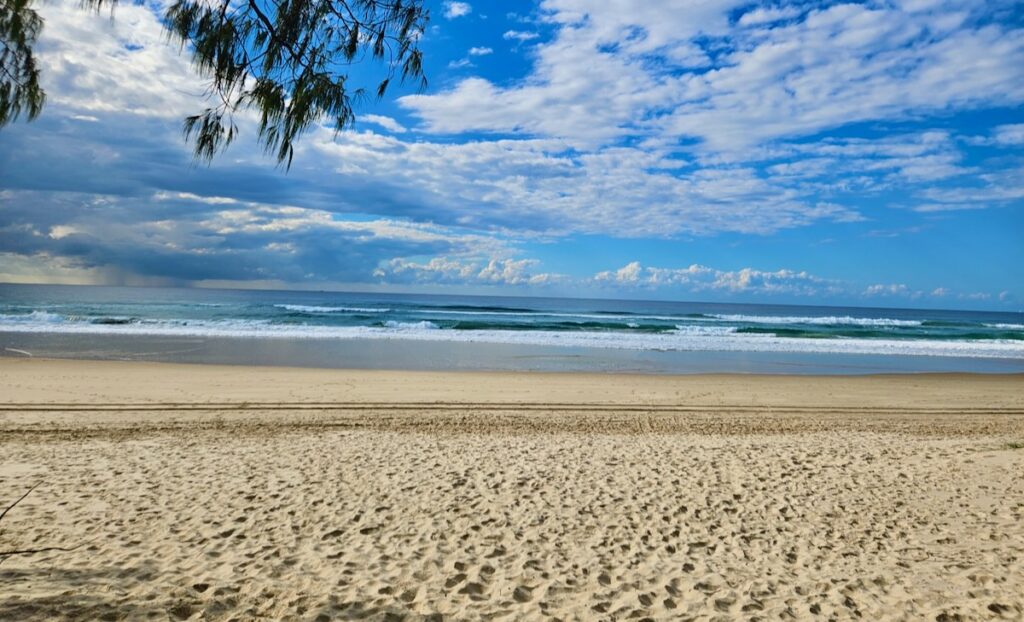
318 309
684 338
823 320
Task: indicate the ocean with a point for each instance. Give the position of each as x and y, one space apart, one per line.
371 330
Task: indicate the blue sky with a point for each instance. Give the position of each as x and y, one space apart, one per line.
819 153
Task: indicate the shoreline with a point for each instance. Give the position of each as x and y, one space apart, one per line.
931 387
398 355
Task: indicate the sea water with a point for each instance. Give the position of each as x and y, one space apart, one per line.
483 332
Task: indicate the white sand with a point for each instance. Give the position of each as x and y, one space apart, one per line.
315 494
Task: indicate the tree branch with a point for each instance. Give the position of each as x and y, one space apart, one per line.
5 554
272 31
20 499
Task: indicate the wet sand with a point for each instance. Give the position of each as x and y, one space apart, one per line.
208 492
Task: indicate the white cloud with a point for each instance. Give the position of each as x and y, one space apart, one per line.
215 239
893 289
141 73
1006 135
456 271
996 188
537 186
460 64
259 218
698 278
385 122
519 35
895 159
62 231
975 296
188 196
890 64
930 208
648 70
630 273
765 15
454 9
540 185
186 238
633 121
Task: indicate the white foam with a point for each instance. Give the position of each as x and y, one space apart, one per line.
407 326
706 331
1006 326
543 314
45 317
316 309
826 320
686 338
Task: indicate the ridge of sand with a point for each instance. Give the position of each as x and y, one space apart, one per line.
219 493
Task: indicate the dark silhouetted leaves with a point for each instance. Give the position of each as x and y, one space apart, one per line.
20 93
284 60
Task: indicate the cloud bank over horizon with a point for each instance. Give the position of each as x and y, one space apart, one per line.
830 152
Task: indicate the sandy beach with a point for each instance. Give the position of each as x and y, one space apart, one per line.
239 493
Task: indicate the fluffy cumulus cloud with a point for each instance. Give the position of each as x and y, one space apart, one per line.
621 119
385 122
454 9
633 276
467 271
697 278
891 289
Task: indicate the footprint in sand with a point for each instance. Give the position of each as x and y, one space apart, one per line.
455 580
474 590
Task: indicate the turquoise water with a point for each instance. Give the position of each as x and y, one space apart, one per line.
97 315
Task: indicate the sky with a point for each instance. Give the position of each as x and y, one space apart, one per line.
865 153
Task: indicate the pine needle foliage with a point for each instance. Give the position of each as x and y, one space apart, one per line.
20 92
287 60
